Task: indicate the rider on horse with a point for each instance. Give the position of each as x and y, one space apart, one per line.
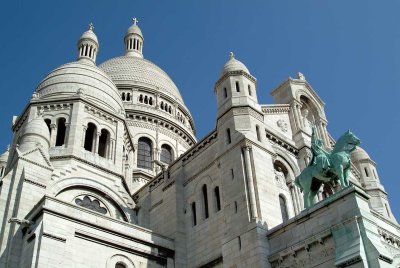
320 156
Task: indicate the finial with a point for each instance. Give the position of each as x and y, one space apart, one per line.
91 27
135 21
301 76
231 55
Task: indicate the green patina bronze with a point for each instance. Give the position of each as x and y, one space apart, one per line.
326 166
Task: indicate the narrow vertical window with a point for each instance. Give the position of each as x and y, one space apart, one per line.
60 131
284 213
166 154
90 135
123 96
128 96
237 86
141 99
48 123
104 143
217 199
236 207
205 201
145 156
225 93
232 174
249 88
366 172
258 133
239 243
194 219
228 135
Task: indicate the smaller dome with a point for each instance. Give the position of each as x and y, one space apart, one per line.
4 156
359 154
89 34
233 65
34 133
134 29
37 127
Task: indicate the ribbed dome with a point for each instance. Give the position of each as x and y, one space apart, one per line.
80 77
233 65
359 154
137 71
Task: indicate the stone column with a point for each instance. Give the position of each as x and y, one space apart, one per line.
53 135
96 142
67 126
294 199
250 182
294 110
84 135
299 198
111 149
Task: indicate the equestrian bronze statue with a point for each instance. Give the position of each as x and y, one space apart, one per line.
326 166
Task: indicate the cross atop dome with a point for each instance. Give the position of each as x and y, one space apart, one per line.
91 27
135 21
231 55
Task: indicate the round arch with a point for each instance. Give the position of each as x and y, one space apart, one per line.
69 183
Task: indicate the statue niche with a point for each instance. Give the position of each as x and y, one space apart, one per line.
326 167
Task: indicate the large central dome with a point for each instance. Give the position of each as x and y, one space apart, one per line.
131 69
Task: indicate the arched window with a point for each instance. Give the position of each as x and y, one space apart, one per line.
282 202
151 101
104 143
170 110
123 96
146 100
60 131
128 96
120 265
225 93
249 88
162 105
145 156
48 123
166 154
194 219
90 137
217 199
141 98
205 201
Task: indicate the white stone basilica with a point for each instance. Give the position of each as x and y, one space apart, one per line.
104 170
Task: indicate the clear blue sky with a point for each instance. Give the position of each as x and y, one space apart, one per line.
348 51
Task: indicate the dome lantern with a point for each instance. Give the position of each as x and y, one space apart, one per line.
134 40
88 46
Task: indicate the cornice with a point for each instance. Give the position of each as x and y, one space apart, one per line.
275 108
235 73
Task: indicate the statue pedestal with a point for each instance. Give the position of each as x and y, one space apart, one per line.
336 232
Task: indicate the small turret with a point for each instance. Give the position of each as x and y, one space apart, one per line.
235 87
371 182
88 46
134 40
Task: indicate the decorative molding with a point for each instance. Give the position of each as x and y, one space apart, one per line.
235 73
276 140
100 114
54 107
55 237
156 205
276 109
35 183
